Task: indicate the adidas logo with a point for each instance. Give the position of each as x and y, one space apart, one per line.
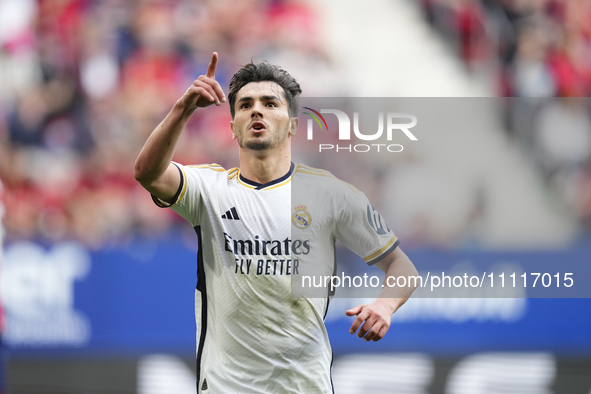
204 385
231 214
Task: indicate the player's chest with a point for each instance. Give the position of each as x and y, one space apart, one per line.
274 213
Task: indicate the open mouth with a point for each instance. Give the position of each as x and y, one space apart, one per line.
257 126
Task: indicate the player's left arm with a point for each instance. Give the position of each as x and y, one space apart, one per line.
373 320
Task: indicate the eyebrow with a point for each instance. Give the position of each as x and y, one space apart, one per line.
264 98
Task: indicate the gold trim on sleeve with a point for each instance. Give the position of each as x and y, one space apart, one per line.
382 250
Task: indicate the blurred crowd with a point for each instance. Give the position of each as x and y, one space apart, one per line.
84 82
533 48
537 53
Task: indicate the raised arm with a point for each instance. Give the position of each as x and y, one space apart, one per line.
376 317
153 168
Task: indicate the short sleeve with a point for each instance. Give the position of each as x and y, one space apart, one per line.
188 198
361 228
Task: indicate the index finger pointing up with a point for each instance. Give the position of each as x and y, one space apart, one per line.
212 65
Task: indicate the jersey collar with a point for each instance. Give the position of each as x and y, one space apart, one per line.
260 186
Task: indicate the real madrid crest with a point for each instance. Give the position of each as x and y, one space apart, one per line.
301 218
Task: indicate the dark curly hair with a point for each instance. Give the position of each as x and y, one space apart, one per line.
263 71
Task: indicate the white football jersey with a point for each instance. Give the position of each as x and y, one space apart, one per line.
253 336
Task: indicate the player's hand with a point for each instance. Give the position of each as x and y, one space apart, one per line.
205 91
374 320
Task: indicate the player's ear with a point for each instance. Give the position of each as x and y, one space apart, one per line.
294 125
232 128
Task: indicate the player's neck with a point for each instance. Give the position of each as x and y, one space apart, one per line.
265 167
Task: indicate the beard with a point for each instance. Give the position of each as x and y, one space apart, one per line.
258 144
275 138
